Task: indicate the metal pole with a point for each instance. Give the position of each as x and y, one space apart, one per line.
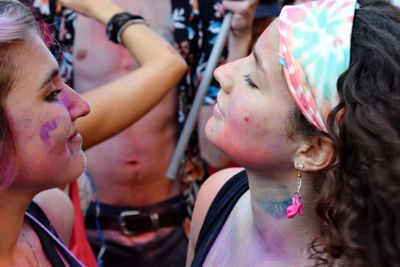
198 100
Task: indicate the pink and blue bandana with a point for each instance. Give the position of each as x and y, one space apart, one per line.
314 48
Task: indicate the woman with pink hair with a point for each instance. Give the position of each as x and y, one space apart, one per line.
40 140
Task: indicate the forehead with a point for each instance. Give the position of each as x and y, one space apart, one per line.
33 61
267 52
269 39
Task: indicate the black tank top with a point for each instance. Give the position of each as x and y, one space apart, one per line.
37 219
217 214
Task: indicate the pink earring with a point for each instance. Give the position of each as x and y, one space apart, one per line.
297 206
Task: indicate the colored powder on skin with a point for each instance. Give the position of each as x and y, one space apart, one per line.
277 208
65 100
47 128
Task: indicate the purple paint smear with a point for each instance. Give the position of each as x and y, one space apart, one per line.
47 128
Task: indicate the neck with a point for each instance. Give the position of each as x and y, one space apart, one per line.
12 210
270 196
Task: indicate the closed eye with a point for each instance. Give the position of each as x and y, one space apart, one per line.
249 81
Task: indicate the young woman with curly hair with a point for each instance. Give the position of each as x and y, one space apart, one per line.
313 117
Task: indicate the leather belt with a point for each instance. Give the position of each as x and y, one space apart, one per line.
134 222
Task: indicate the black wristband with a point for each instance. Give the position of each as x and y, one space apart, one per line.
118 23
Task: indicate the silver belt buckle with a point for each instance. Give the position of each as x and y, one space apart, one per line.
155 220
123 223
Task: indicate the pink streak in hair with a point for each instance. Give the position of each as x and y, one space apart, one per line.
46 33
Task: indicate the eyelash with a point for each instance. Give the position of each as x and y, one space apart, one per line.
249 81
53 95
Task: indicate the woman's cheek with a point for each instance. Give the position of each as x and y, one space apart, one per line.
54 132
243 122
47 128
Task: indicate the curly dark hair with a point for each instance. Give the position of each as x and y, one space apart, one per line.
359 197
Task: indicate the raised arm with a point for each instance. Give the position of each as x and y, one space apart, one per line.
241 29
120 103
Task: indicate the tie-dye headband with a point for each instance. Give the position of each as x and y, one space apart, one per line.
314 47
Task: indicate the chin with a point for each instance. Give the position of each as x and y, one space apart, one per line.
215 137
210 130
82 165
76 168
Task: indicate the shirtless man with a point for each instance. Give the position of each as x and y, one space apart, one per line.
127 160
128 170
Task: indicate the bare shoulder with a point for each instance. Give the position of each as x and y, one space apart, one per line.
58 208
207 193
209 190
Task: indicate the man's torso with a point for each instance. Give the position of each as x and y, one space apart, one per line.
129 168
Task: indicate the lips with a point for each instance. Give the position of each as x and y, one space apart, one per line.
217 111
75 137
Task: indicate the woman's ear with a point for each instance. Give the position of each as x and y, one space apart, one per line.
316 153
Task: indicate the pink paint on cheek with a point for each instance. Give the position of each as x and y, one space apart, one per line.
65 100
46 128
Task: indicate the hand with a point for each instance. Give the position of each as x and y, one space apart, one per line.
101 10
243 15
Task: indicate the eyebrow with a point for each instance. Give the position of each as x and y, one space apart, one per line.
259 65
50 76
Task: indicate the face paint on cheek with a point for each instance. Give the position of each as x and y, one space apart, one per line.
56 132
46 128
65 100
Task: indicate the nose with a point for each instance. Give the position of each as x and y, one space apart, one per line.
223 74
77 106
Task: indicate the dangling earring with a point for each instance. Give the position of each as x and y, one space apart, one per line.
297 206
